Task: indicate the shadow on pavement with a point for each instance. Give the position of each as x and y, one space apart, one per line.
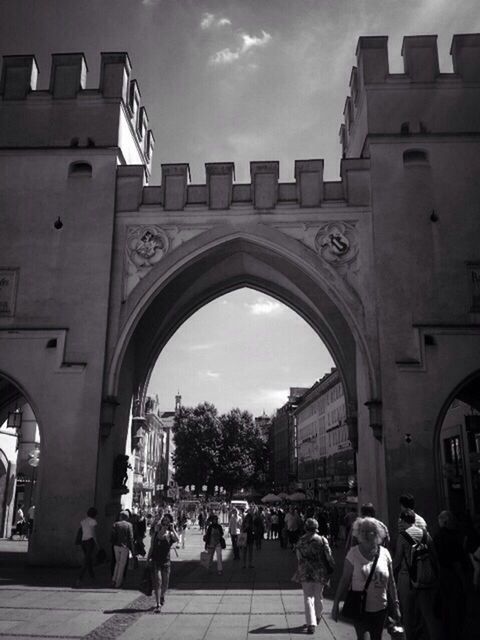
270 629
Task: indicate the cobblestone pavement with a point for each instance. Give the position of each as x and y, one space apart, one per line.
256 604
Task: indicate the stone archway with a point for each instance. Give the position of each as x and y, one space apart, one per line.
200 271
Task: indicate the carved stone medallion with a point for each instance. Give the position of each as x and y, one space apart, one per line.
336 242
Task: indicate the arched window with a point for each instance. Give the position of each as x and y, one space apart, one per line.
80 169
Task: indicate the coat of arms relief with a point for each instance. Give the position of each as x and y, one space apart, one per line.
146 245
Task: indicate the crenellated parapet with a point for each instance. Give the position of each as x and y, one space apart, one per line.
421 100
68 115
263 193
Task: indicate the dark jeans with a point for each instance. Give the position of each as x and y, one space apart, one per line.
236 550
247 550
88 548
372 622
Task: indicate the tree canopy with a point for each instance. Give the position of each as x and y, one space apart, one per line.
227 450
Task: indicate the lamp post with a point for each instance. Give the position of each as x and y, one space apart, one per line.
14 419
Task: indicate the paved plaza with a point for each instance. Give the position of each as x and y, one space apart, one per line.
256 604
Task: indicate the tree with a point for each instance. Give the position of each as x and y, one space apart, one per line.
237 453
197 435
229 451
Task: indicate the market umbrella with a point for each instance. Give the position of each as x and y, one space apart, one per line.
271 497
283 496
297 497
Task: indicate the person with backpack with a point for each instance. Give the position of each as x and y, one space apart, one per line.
164 536
416 568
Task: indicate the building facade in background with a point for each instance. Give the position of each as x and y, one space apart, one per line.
284 443
326 458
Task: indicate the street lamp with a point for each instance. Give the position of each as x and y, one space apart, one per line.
14 419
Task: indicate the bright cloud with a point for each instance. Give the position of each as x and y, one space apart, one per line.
210 374
210 20
275 397
228 55
264 306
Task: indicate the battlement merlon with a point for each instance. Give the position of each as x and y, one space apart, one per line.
70 115
264 193
421 100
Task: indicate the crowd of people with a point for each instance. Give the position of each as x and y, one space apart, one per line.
414 582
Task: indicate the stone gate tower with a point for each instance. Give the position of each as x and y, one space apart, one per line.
98 270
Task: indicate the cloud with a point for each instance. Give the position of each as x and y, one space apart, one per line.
263 307
227 55
209 374
210 20
275 397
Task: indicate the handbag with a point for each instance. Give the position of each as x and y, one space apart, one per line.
242 540
78 537
223 544
354 603
146 583
205 559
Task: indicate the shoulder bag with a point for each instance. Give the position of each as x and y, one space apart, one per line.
354 604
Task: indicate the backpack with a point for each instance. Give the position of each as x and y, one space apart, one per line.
421 563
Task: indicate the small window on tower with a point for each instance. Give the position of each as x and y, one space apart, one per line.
415 156
80 169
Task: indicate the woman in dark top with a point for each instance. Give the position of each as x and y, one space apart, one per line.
248 528
163 538
214 542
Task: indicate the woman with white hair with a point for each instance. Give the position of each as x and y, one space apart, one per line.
315 565
368 572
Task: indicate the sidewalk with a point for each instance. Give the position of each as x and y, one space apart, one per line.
257 604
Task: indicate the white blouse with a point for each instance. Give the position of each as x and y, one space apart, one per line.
377 589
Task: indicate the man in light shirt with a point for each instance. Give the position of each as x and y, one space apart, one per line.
407 501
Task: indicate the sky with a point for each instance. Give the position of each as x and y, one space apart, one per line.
244 349
235 81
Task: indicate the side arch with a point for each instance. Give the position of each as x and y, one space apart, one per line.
468 391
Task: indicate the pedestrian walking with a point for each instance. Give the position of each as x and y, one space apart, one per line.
182 522
258 528
123 546
249 531
315 564
215 542
20 525
418 595
407 501
472 547
88 544
293 524
368 567
235 528
453 564
367 511
163 538
31 519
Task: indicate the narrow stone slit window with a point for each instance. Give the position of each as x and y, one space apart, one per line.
415 156
80 169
